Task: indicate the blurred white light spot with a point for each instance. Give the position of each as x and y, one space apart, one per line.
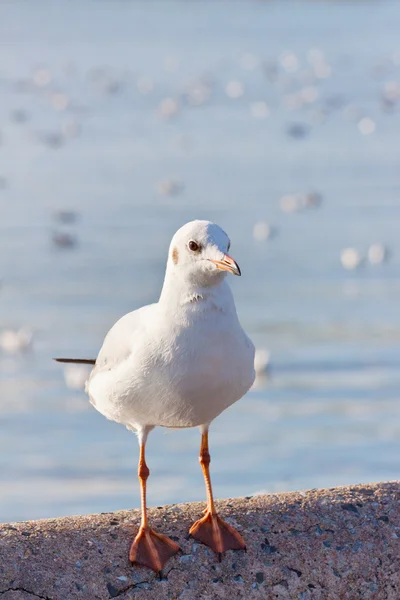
366 126
259 109
249 61
169 107
145 85
262 231
377 254
391 91
322 70
262 359
59 101
291 203
198 94
234 89
315 56
350 258
41 77
289 62
14 341
75 376
309 94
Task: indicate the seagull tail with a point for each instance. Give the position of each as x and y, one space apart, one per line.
77 361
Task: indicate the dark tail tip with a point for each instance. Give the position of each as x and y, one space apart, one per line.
76 361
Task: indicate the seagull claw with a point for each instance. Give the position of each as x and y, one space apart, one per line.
152 549
212 531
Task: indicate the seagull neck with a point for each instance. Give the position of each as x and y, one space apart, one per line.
176 292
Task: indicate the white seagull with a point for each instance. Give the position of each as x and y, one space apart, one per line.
178 363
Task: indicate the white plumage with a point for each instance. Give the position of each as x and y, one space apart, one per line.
181 361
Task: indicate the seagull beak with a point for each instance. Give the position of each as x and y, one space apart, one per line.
227 264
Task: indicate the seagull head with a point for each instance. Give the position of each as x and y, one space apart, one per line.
199 254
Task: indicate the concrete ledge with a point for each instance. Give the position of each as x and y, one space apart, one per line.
341 543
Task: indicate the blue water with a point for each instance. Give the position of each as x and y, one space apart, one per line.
329 412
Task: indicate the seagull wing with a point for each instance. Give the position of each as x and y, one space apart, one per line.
115 349
120 340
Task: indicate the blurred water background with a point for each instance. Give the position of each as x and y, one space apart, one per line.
119 122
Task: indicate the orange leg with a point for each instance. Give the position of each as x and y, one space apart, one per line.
211 529
149 548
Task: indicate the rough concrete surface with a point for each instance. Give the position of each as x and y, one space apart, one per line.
341 543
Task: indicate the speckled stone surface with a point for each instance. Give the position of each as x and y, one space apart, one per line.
341 543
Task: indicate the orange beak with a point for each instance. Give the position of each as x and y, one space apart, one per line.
227 264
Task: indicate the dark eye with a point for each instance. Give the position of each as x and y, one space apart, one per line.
229 245
193 246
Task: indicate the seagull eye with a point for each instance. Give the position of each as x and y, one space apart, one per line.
193 246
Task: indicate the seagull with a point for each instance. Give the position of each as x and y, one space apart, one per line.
179 362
